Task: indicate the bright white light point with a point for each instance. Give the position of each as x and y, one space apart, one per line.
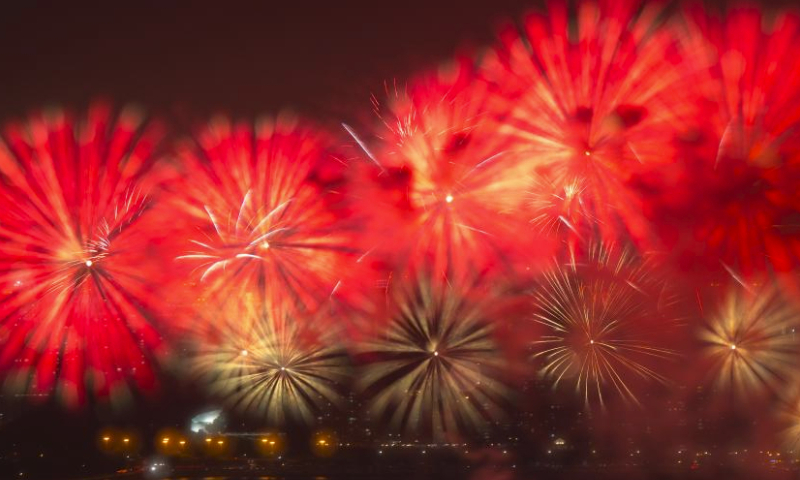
244 353
89 263
283 369
436 353
591 341
265 244
587 153
733 346
448 199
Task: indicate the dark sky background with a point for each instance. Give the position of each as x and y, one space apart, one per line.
243 58
322 58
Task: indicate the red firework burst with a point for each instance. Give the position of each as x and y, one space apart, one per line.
735 197
450 186
266 200
588 106
79 251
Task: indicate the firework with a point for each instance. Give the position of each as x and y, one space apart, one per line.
558 207
434 370
447 182
79 244
752 342
588 107
790 414
260 360
602 317
266 201
739 175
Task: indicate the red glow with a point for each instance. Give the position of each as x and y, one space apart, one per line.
266 203
78 238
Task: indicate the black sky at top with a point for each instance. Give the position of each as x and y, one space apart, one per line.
323 58
243 58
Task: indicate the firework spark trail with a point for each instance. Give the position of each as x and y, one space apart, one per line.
78 235
752 341
260 360
270 219
456 186
434 370
599 315
588 108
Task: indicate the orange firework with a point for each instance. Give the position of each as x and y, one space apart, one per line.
267 203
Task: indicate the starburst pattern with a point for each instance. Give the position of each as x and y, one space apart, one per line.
456 182
258 359
602 317
752 341
78 234
434 370
590 105
271 220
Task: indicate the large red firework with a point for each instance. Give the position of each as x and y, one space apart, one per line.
449 186
734 197
79 254
590 102
267 203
